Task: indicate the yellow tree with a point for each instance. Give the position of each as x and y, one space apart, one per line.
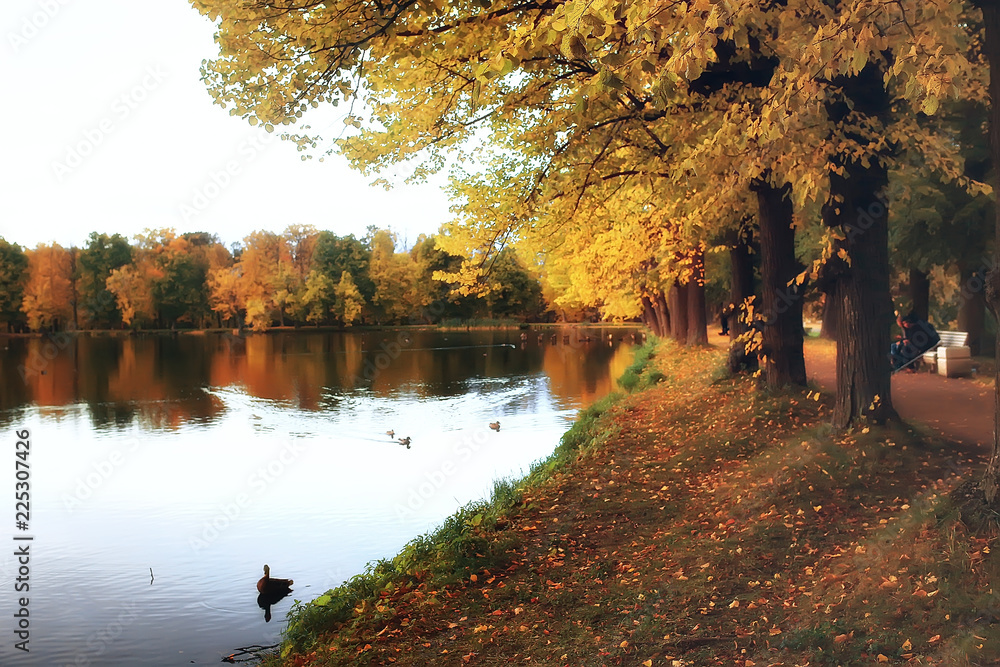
223 291
260 264
49 293
395 277
131 286
349 302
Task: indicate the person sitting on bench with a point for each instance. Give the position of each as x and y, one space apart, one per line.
918 337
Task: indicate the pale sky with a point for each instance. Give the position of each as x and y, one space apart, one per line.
108 127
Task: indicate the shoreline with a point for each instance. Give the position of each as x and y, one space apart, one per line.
693 521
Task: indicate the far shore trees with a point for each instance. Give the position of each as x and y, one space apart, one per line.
300 277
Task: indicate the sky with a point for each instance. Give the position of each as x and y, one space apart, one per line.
108 127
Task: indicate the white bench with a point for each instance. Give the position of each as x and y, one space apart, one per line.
951 356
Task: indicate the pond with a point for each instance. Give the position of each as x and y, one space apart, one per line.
165 471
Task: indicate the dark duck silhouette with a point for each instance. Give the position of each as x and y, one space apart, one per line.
271 591
405 441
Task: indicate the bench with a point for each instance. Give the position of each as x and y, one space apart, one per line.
950 357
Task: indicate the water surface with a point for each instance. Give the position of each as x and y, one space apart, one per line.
166 470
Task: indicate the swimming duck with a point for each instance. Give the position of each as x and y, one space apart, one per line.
268 585
405 441
271 592
495 425
391 433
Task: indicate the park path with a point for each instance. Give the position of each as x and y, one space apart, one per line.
959 409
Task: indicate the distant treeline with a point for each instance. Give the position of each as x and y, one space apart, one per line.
302 276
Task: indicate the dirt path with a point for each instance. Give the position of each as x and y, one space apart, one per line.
957 408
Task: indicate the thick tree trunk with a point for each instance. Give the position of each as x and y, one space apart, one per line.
858 206
741 288
678 306
972 307
781 303
991 47
697 319
831 318
920 293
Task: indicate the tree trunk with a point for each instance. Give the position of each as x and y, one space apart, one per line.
678 306
858 206
972 307
697 319
781 303
655 315
831 318
649 316
662 313
991 47
741 288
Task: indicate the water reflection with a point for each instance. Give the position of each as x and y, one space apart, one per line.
271 591
160 382
199 457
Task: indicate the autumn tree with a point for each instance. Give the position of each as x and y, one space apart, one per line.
177 267
49 295
259 266
349 302
132 287
13 276
223 284
394 276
